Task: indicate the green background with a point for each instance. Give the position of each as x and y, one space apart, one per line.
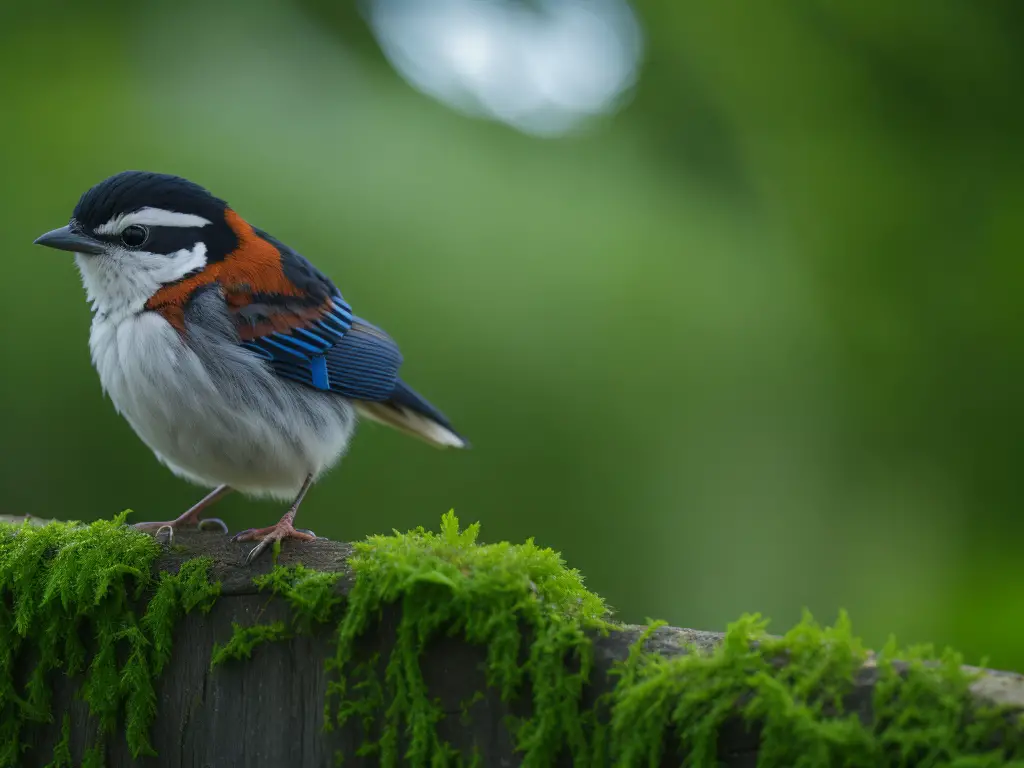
753 343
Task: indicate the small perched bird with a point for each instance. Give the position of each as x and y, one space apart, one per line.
232 357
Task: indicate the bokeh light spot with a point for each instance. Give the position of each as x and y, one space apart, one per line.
543 68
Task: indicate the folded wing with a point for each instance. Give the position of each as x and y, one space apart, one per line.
308 334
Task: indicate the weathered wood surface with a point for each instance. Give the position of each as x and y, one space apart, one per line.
268 711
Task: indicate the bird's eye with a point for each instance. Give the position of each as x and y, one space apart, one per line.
134 236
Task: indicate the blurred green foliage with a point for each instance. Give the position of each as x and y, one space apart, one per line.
752 343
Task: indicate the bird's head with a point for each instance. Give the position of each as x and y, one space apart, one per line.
136 232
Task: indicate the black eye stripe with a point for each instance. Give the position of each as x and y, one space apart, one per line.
165 240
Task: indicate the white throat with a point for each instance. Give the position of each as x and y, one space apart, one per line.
119 281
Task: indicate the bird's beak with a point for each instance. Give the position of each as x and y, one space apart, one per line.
66 239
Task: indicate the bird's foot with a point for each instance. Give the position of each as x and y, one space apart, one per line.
268 536
190 518
167 528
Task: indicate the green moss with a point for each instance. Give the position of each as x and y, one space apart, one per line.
447 584
65 583
244 641
70 604
795 690
313 600
310 593
62 751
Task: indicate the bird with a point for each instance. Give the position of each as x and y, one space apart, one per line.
232 357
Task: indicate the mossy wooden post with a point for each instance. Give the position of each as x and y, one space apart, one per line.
431 649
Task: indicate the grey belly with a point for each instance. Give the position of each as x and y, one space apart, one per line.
226 420
252 450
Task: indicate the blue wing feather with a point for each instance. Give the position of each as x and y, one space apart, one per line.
340 353
314 339
360 362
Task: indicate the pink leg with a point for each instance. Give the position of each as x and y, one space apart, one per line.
191 517
284 529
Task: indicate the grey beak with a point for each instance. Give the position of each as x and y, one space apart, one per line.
65 239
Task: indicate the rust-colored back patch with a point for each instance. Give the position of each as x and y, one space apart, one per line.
283 320
253 267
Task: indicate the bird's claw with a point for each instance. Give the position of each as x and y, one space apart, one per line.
165 532
243 535
255 551
210 523
268 536
167 529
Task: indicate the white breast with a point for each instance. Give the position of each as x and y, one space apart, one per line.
234 423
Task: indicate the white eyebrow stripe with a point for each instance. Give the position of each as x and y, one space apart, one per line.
151 217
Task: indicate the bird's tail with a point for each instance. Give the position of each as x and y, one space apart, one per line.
409 412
